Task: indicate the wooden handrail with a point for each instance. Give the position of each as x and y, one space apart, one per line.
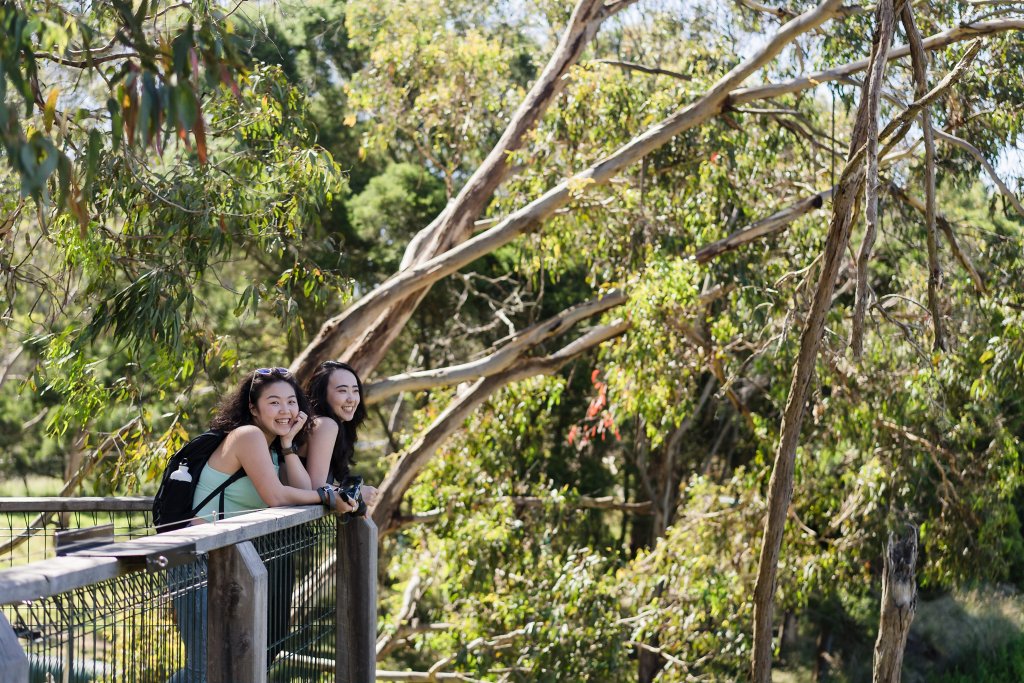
57 575
81 504
235 570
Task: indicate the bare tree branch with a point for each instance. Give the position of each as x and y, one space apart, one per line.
415 458
774 224
876 81
633 66
343 331
946 227
988 168
497 361
936 42
919 60
378 328
348 330
480 643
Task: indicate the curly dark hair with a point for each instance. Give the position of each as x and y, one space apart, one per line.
235 409
344 445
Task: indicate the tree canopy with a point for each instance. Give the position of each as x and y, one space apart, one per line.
668 312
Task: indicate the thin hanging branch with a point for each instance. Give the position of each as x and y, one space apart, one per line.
633 66
919 60
946 227
985 165
876 81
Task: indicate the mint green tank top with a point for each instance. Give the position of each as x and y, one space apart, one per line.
240 497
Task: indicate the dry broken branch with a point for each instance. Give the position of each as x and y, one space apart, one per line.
899 603
776 223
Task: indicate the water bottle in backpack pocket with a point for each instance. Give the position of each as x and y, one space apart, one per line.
173 504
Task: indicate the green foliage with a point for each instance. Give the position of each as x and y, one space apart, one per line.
392 208
439 78
177 215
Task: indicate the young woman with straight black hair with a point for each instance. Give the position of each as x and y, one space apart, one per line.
336 395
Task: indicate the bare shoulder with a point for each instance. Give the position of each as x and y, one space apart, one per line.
239 442
324 428
246 436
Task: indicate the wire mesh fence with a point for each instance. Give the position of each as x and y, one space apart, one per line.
151 626
116 630
28 536
301 601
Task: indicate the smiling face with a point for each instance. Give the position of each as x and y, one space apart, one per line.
343 394
276 409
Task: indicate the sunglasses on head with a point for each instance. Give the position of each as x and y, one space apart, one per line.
272 371
284 373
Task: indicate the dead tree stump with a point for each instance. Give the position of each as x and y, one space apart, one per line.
899 602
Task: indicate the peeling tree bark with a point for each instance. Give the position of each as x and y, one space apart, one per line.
780 488
886 22
899 603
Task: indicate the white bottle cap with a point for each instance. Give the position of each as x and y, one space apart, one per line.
181 474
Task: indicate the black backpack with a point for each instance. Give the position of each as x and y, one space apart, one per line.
172 505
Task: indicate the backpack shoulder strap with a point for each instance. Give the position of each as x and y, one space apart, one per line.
208 442
219 491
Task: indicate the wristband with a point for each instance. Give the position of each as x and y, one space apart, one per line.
289 449
324 496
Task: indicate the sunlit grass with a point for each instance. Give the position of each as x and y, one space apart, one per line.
32 485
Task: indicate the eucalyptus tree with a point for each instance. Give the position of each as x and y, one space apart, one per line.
647 162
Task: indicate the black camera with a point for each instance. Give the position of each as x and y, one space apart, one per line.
350 491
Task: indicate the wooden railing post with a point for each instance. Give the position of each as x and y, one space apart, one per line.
236 635
356 649
13 658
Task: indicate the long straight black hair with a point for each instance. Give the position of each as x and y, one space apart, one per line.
344 445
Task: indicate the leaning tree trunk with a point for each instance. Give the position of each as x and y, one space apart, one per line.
899 602
780 488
